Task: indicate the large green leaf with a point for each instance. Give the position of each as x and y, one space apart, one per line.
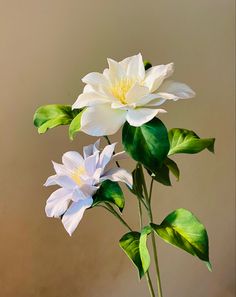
143 250
110 192
137 188
147 144
75 125
183 230
53 115
130 245
186 141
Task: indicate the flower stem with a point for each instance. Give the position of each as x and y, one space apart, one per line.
148 200
115 213
150 287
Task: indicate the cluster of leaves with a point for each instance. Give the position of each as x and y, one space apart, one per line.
150 145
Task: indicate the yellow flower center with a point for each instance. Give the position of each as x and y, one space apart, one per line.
121 88
76 175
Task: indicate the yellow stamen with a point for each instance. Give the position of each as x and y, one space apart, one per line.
121 88
76 175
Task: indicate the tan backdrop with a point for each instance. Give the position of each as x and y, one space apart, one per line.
46 47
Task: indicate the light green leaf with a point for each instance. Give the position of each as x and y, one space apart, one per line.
183 230
144 254
53 115
130 245
75 125
110 192
147 144
188 142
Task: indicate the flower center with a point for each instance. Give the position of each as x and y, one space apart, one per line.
121 88
76 175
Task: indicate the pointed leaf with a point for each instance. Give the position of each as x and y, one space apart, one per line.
147 144
173 167
130 245
188 142
50 116
110 192
183 230
137 182
75 125
144 253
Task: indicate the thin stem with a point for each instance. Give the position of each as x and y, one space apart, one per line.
115 213
148 200
150 286
109 142
140 214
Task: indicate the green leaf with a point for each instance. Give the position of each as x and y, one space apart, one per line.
162 175
188 142
147 144
130 245
147 65
75 125
50 116
183 230
144 254
110 192
137 182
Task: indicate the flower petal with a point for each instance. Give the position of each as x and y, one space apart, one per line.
58 203
74 214
95 78
72 160
91 149
106 155
136 93
155 76
135 67
90 99
102 120
139 116
175 90
63 181
116 71
60 169
90 164
118 174
83 192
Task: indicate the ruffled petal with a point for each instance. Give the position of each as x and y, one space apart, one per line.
58 203
95 78
118 174
91 149
90 99
60 180
175 90
106 155
155 76
102 120
135 67
72 160
139 116
74 214
136 93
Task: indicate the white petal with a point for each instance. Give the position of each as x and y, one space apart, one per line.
136 93
90 163
58 202
60 180
60 169
120 156
118 174
95 78
102 120
90 99
83 192
75 213
145 101
135 67
139 116
72 160
155 75
116 71
91 149
175 90
106 155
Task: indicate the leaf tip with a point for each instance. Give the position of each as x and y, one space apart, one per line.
209 266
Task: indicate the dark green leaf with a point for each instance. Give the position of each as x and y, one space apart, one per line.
50 116
186 141
75 125
110 192
137 181
147 65
183 230
147 144
144 254
130 245
172 166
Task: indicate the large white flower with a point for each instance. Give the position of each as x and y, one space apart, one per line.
79 178
126 92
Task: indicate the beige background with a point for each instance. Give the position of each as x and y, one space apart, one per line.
45 48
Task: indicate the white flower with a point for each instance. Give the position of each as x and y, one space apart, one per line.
126 92
79 178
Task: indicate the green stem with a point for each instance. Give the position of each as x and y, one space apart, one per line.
150 286
115 213
148 200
